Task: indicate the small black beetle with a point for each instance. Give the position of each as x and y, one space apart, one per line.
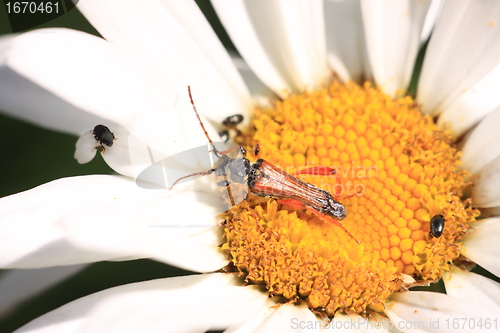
233 120
437 225
224 135
103 135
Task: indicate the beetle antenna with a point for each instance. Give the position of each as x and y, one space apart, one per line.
203 173
216 152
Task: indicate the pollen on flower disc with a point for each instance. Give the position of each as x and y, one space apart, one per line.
397 170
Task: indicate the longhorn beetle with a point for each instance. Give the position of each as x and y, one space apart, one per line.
267 180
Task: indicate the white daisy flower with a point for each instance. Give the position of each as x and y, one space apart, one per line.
400 171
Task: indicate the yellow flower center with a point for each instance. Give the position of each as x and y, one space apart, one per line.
397 171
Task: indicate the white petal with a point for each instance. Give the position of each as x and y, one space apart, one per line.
490 212
395 321
95 218
155 305
486 189
178 132
417 311
87 72
345 40
463 49
304 322
252 325
474 288
473 104
21 284
481 244
105 234
259 91
481 147
86 147
173 40
282 41
130 155
393 29
430 19
214 309
24 99
356 323
291 318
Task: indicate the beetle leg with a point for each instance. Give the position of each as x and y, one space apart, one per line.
334 222
228 188
254 214
225 152
256 150
324 171
251 211
292 203
203 173
296 204
317 171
